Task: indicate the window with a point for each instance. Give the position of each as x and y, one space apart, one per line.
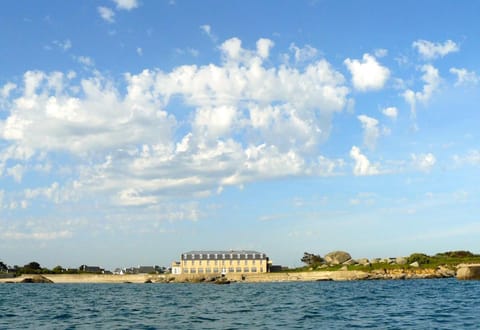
261 269
200 270
208 270
254 269
245 269
230 270
200 262
215 270
238 262
239 269
253 261
216 262
231 261
208 262
246 262
193 270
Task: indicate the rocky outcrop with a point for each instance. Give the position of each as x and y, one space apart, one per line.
35 279
337 257
468 272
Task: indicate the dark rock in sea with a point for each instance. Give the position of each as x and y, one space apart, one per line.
36 279
468 272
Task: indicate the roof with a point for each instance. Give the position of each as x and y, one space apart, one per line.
222 255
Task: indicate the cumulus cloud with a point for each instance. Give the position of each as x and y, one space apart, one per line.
126 4
371 132
263 47
367 74
106 14
432 80
430 50
245 122
362 165
390 112
465 77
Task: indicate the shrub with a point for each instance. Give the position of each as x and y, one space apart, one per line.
421 258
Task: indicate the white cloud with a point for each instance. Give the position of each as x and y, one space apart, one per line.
7 89
371 132
207 30
429 50
63 45
423 162
381 52
16 172
126 4
390 112
244 122
432 80
465 77
471 158
303 54
106 14
42 236
362 164
139 51
367 74
85 60
263 47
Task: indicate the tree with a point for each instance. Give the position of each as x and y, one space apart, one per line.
33 266
58 269
311 259
3 267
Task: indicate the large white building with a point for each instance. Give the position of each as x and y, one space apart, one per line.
221 262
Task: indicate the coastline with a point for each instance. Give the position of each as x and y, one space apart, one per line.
307 276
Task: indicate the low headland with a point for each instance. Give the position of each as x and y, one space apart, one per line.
335 266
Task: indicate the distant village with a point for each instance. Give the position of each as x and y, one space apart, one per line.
35 268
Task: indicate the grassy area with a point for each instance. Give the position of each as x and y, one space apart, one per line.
448 259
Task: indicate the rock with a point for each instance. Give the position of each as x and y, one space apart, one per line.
468 272
344 268
350 262
364 261
376 260
401 260
443 271
415 264
36 279
337 257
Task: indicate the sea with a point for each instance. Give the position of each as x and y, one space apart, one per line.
389 304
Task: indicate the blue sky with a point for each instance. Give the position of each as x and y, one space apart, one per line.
131 131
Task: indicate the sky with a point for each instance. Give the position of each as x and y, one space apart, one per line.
134 130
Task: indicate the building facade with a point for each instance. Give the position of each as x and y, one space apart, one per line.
221 262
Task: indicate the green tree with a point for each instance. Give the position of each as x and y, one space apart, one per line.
311 259
3 267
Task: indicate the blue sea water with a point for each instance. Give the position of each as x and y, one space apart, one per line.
411 304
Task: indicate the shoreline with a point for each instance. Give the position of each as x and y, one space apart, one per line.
307 276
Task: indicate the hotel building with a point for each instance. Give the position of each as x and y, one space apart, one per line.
221 262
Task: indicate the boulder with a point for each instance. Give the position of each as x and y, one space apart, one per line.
376 260
350 262
401 260
415 264
364 261
337 257
468 272
35 279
